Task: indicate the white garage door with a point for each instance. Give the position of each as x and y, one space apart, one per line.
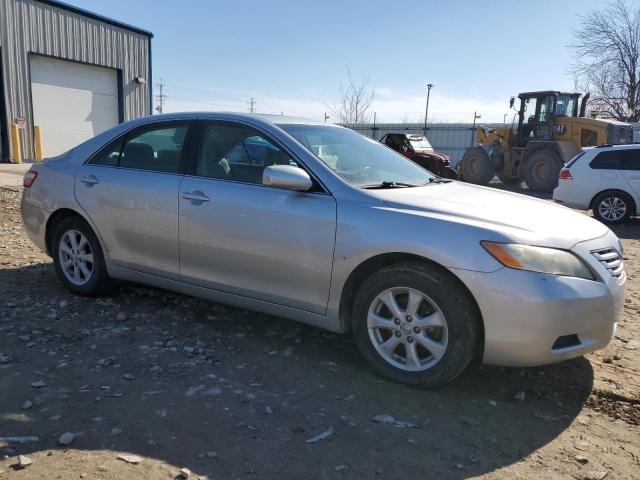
72 102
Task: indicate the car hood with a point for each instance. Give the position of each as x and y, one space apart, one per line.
511 216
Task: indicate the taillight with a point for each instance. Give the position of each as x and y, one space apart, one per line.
565 175
29 178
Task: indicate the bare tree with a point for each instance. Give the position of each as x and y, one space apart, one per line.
354 104
608 60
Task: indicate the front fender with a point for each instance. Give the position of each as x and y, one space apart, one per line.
364 232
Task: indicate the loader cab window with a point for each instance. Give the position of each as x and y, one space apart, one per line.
529 111
536 119
546 109
566 106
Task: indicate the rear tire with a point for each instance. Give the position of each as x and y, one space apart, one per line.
542 170
613 207
78 259
433 324
476 167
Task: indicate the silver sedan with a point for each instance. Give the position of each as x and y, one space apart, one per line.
319 224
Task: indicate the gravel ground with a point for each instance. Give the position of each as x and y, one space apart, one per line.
168 382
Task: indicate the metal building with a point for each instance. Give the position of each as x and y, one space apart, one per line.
67 74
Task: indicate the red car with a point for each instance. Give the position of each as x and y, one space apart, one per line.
418 149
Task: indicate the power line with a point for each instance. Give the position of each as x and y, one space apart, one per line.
252 105
161 97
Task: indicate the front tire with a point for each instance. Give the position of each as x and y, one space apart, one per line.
78 259
476 166
415 324
612 208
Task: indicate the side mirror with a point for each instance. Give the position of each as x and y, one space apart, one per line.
512 101
287 177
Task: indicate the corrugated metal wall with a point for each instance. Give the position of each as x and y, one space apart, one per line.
452 139
30 27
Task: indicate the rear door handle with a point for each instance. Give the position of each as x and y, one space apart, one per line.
90 180
196 196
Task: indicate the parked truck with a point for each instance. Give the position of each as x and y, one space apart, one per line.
551 129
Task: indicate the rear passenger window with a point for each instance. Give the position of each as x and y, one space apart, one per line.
109 156
622 159
157 149
606 161
236 152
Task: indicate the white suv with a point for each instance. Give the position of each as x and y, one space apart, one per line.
605 179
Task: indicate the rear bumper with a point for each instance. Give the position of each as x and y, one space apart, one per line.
569 194
526 313
34 220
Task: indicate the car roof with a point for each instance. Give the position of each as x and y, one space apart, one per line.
622 146
254 117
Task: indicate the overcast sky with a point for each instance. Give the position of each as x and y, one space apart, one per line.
291 56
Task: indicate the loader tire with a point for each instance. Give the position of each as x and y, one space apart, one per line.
542 170
476 167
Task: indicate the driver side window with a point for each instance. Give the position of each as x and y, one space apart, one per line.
238 153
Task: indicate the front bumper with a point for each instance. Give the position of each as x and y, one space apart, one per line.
526 314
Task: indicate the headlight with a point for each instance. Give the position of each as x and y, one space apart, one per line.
538 259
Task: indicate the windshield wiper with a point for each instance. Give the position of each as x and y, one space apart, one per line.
388 185
439 180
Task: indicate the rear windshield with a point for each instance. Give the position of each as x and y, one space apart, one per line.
574 159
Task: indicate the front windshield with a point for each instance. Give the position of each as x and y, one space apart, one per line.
419 143
357 159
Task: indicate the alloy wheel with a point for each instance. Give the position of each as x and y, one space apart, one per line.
76 257
407 329
612 209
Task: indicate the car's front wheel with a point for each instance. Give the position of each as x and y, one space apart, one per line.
78 258
414 323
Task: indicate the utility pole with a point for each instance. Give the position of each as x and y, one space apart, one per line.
426 111
161 97
252 105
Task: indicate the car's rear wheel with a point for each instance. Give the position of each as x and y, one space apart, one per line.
613 207
414 323
78 258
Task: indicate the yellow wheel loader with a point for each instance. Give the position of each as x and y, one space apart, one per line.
551 130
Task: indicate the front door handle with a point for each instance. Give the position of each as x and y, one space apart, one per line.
90 180
196 196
